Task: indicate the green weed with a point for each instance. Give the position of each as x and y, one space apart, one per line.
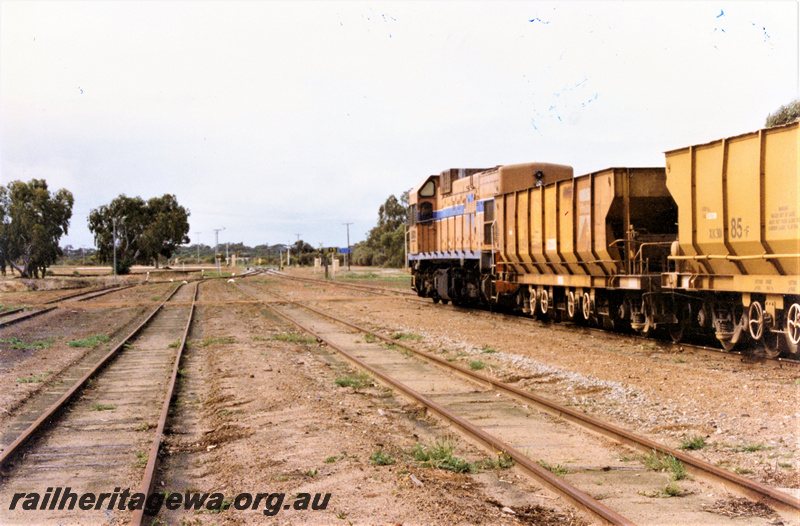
141 460
91 341
18 344
356 381
439 455
102 407
210 341
293 338
751 448
670 490
404 336
658 462
381 458
693 443
557 470
34 378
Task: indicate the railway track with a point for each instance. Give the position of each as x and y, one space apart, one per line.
500 417
739 356
363 288
17 315
103 431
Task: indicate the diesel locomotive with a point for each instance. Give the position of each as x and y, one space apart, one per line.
708 243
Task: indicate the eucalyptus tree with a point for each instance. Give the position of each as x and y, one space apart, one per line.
144 230
32 221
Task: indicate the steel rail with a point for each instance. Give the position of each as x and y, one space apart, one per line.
150 469
102 291
12 311
355 286
727 355
51 411
729 480
574 495
32 314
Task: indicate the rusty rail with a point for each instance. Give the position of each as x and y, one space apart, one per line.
51 411
6 323
150 469
729 480
577 497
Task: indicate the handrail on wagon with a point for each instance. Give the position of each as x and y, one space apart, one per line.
729 257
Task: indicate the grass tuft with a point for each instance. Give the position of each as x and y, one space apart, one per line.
18 344
693 443
91 341
356 381
381 458
404 336
439 455
658 462
103 407
33 378
557 470
293 338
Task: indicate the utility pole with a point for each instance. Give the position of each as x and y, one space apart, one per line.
198 247
114 222
216 248
347 255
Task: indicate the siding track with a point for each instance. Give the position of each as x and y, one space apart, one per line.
104 431
505 423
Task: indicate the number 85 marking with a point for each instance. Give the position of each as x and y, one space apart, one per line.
736 228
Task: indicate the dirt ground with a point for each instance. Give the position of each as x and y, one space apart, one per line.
259 410
271 418
746 413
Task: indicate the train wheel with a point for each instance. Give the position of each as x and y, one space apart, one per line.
647 313
676 330
544 302
770 345
755 321
609 323
587 306
571 305
792 336
436 299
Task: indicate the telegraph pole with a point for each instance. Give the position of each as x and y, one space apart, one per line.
347 256
114 221
198 247
216 247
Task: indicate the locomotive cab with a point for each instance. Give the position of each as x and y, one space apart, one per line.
422 202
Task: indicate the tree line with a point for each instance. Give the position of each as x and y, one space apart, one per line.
33 219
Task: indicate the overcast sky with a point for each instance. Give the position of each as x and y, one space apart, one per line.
273 119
